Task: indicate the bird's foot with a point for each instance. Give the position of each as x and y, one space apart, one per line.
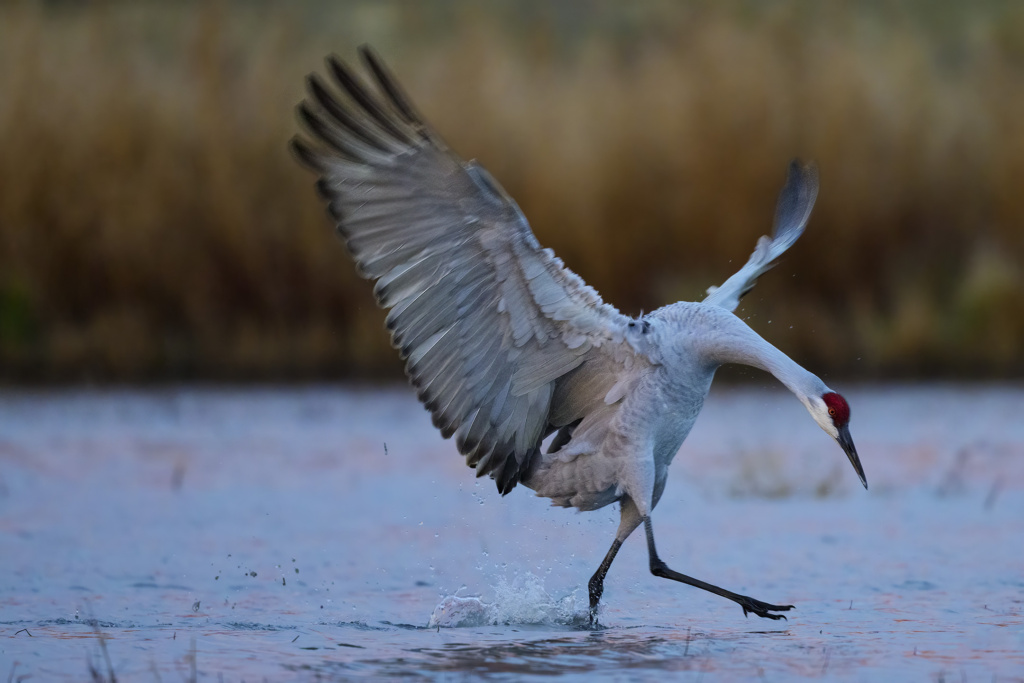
762 609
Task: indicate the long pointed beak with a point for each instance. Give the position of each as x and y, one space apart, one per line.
846 441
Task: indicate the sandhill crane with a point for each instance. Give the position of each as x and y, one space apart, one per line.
506 346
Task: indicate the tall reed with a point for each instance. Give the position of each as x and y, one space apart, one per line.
152 224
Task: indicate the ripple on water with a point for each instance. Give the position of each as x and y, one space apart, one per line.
918 579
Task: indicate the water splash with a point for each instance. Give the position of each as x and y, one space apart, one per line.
523 600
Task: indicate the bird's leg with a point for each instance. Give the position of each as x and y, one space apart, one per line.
659 568
629 520
596 585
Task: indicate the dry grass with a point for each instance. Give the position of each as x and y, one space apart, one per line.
775 475
152 224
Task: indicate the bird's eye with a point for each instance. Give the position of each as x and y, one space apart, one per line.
832 412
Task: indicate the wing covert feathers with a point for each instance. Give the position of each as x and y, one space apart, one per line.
791 214
488 323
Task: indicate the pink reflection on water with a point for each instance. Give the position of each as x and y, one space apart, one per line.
129 507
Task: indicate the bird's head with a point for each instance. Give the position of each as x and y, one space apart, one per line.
832 413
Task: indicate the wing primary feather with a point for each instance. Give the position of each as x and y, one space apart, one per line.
463 431
323 132
318 90
509 476
347 80
390 86
324 191
306 156
489 461
475 429
348 147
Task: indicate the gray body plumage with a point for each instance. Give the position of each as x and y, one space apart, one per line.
504 344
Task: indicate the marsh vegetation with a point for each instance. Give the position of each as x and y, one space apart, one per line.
153 225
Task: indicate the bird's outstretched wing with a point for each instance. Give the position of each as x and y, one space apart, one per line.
791 213
486 320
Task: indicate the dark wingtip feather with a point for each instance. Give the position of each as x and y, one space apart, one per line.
467 445
324 190
389 85
305 155
322 96
335 64
305 115
509 476
345 77
308 118
319 91
316 126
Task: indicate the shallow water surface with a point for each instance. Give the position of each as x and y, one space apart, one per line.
330 533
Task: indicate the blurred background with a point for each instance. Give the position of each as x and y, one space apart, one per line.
153 225
155 230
